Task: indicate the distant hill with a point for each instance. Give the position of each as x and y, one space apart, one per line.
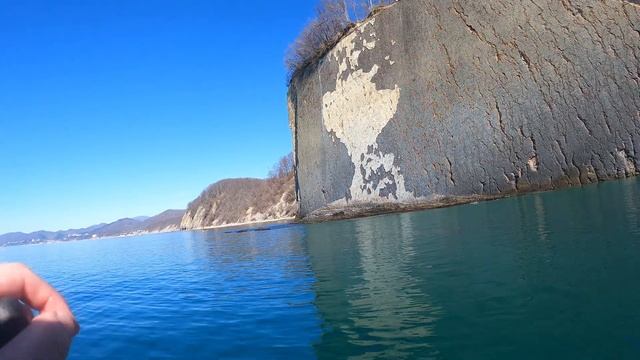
227 202
235 201
122 226
166 221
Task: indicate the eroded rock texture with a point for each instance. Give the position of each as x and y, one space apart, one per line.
445 98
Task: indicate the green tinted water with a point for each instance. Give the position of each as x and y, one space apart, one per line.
552 275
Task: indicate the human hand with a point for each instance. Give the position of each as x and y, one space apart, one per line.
50 333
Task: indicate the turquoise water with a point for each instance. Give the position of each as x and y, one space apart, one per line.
551 275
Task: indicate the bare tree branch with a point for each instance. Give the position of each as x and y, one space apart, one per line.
333 18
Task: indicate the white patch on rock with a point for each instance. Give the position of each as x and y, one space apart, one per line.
356 112
369 45
628 162
533 163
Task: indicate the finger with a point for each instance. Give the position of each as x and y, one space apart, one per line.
19 281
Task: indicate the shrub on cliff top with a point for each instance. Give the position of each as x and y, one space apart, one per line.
333 19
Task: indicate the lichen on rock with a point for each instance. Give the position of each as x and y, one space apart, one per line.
356 112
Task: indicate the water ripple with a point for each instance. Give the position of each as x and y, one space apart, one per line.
551 275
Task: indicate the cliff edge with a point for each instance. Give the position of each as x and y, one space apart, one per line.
432 102
240 201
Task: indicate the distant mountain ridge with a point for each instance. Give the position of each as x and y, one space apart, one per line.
166 221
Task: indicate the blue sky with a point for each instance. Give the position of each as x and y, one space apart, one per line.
116 108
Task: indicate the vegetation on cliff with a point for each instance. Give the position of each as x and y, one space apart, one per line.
235 201
333 20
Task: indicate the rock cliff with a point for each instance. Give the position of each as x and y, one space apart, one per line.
452 100
237 201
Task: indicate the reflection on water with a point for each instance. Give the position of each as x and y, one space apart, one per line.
550 275
540 217
381 309
397 310
631 196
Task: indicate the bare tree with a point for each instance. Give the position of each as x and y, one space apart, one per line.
333 18
283 168
319 34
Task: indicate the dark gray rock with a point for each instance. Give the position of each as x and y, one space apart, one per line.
442 99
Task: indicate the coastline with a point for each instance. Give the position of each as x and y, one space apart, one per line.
355 211
176 230
248 223
164 231
352 211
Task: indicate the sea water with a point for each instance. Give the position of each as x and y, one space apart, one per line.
551 275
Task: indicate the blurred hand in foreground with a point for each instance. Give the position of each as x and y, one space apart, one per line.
50 333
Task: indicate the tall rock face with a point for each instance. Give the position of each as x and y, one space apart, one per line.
238 201
444 99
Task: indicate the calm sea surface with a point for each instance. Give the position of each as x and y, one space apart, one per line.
552 275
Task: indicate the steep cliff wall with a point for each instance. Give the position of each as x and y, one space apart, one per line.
444 99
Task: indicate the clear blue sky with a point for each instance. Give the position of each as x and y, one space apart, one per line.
116 108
